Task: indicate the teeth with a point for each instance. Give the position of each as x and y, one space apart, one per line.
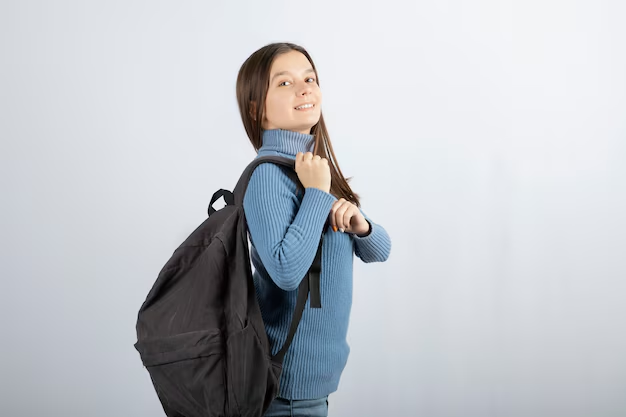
304 106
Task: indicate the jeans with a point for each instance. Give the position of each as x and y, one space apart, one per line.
282 407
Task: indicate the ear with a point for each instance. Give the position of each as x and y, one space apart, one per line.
253 110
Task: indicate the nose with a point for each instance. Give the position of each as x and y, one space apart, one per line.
305 90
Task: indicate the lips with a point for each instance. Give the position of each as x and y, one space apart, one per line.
304 104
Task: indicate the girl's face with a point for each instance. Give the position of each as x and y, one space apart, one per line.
292 83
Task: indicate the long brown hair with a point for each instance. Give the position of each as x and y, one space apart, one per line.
252 85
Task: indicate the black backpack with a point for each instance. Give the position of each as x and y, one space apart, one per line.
200 333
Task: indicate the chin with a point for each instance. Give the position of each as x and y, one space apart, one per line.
307 130
312 121
304 125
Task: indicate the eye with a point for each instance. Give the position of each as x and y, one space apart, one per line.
310 78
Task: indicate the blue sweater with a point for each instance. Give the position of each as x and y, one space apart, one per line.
285 230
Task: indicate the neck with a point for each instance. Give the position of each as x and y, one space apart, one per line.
287 141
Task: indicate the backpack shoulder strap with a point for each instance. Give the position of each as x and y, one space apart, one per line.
311 282
240 189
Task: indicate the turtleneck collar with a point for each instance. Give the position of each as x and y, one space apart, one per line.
287 141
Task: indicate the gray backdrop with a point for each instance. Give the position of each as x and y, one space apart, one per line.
488 138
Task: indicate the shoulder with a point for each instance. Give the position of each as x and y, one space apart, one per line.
269 171
270 179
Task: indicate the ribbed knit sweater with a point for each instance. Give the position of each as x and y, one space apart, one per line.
285 230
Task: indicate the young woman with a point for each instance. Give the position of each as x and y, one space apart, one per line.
280 103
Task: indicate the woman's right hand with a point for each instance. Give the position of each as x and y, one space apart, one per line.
313 171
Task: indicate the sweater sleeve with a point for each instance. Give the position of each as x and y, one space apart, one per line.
285 236
376 246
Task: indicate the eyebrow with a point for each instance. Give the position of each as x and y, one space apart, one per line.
287 72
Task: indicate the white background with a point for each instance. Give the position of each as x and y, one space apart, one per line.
488 138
